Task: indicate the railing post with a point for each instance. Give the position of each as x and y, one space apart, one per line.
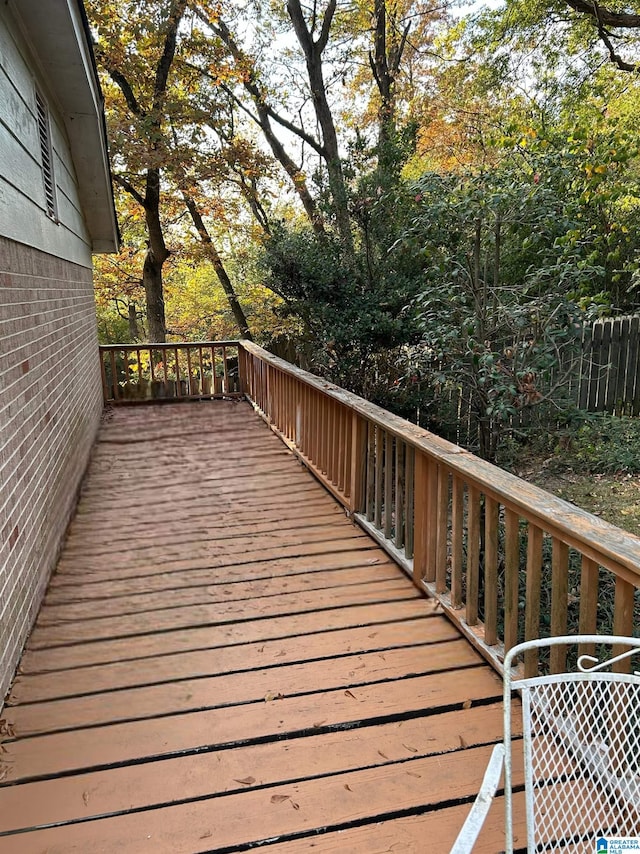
103 374
242 369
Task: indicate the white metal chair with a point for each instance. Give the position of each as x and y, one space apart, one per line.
581 742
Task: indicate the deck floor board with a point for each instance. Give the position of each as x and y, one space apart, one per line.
223 660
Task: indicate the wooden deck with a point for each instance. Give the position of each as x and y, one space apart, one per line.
224 661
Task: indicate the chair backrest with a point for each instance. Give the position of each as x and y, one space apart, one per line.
581 741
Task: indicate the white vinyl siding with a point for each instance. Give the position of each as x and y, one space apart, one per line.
46 217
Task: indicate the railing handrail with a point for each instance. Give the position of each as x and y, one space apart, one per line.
168 345
187 370
609 545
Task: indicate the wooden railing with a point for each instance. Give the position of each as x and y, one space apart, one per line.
135 372
506 560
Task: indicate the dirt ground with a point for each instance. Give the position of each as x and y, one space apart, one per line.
614 497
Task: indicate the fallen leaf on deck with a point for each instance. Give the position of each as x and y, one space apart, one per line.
348 787
85 798
466 704
248 781
273 695
384 756
413 774
319 724
411 749
463 743
278 799
348 693
295 805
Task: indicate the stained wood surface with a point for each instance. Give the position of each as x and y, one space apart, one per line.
223 661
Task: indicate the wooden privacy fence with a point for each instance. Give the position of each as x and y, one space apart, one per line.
505 559
610 367
135 372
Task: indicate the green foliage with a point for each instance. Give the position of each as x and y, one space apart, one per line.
112 327
515 259
602 444
357 309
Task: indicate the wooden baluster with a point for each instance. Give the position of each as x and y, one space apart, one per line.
216 383
314 428
201 365
285 412
371 471
623 606
348 455
319 428
421 516
588 621
342 450
409 495
163 353
106 397
559 595
326 433
335 440
225 371
291 412
457 538
141 382
377 514
532 606
242 370
152 374
388 485
432 520
114 376
400 494
491 531
299 416
473 554
127 375
512 577
442 529
190 391
358 464
178 388
283 391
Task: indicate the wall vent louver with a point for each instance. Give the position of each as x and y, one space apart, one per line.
46 152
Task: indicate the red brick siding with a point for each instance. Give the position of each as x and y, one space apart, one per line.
50 405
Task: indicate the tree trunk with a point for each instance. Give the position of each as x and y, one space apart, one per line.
313 57
218 266
152 281
388 49
157 254
134 331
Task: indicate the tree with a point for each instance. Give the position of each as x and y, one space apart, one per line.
139 61
608 23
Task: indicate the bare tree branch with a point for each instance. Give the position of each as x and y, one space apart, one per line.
126 185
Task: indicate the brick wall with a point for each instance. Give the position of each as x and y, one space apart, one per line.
50 405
